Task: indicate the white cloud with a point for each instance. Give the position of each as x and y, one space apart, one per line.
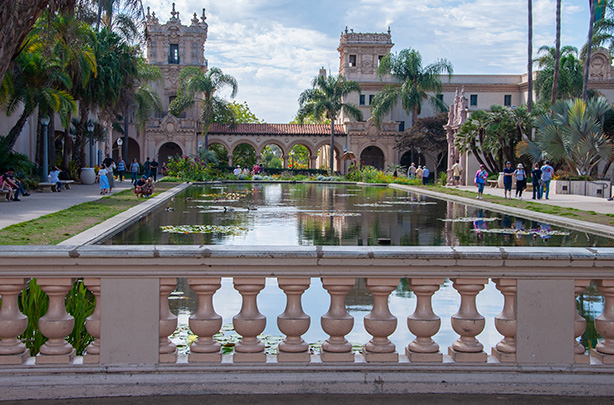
275 47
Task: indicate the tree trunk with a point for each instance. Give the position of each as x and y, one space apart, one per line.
332 145
16 19
79 147
530 58
557 53
126 138
38 157
589 45
17 128
51 140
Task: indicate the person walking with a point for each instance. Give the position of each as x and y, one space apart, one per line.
147 167
121 168
547 173
536 178
419 174
110 176
480 180
134 170
457 171
521 180
508 173
153 166
425 175
411 172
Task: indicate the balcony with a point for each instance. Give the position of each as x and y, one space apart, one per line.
538 323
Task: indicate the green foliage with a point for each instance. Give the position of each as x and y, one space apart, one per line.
189 169
271 157
33 303
369 174
80 303
571 73
242 113
443 178
414 84
244 155
221 153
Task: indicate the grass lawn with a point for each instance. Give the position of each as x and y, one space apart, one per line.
54 228
588 216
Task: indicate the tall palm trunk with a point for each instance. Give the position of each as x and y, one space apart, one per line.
589 45
557 53
332 145
530 57
126 138
17 128
79 148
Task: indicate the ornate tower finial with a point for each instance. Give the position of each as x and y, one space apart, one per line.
195 19
148 13
174 13
389 30
203 18
346 29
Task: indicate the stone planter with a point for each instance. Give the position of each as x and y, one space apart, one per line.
87 175
599 188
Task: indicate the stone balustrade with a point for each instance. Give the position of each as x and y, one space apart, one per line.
538 323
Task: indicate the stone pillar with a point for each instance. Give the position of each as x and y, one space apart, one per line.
12 322
380 323
424 323
285 161
293 322
580 355
56 324
468 322
205 322
604 323
505 322
337 322
312 161
249 322
92 324
168 322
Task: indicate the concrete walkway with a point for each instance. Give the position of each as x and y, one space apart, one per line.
597 204
39 204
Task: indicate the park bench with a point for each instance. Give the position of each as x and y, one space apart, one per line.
48 187
492 183
5 194
67 183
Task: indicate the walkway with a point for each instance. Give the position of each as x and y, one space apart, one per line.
39 204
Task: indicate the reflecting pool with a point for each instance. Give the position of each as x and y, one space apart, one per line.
328 214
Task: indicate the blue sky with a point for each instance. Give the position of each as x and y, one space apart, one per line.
275 47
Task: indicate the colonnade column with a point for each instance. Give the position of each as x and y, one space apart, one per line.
168 322
249 322
293 322
12 322
505 322
604 323
337 322
468 322
92 323
580 355
424 323
312 161
56 324
380 323
205 322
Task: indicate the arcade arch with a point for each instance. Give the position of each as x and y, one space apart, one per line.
244 155
372 156
221 153
134 150
167 150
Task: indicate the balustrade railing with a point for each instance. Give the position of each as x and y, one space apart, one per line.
538 323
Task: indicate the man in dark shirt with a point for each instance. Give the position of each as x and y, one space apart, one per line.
147 167
153 166
508 172
108 160
140 186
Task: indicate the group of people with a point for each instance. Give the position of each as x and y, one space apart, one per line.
150 169
421 173
144 187
540 180
10 184
257 169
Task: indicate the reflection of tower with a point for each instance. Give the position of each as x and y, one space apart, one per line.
451 239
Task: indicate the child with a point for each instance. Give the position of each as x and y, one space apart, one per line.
103 180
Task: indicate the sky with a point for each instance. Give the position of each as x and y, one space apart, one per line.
274 48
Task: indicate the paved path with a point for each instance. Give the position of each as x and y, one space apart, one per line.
597 204
39 204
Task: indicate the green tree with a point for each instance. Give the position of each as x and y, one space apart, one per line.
570 77
572 134
429 135
271 157
244 155
326 98
194 82
492 136
242 114
412 86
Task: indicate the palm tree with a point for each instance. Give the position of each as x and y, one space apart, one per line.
326 98
193 83
569 83
557 52
530 57
573 134
413 84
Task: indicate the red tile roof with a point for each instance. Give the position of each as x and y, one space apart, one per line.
275 129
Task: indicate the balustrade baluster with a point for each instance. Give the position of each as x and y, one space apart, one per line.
293 322
249 322
505 322
468 322
168 322
380 323
12 322
337 322
205 322
92 324
604 323
56 324
580 355
424 323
